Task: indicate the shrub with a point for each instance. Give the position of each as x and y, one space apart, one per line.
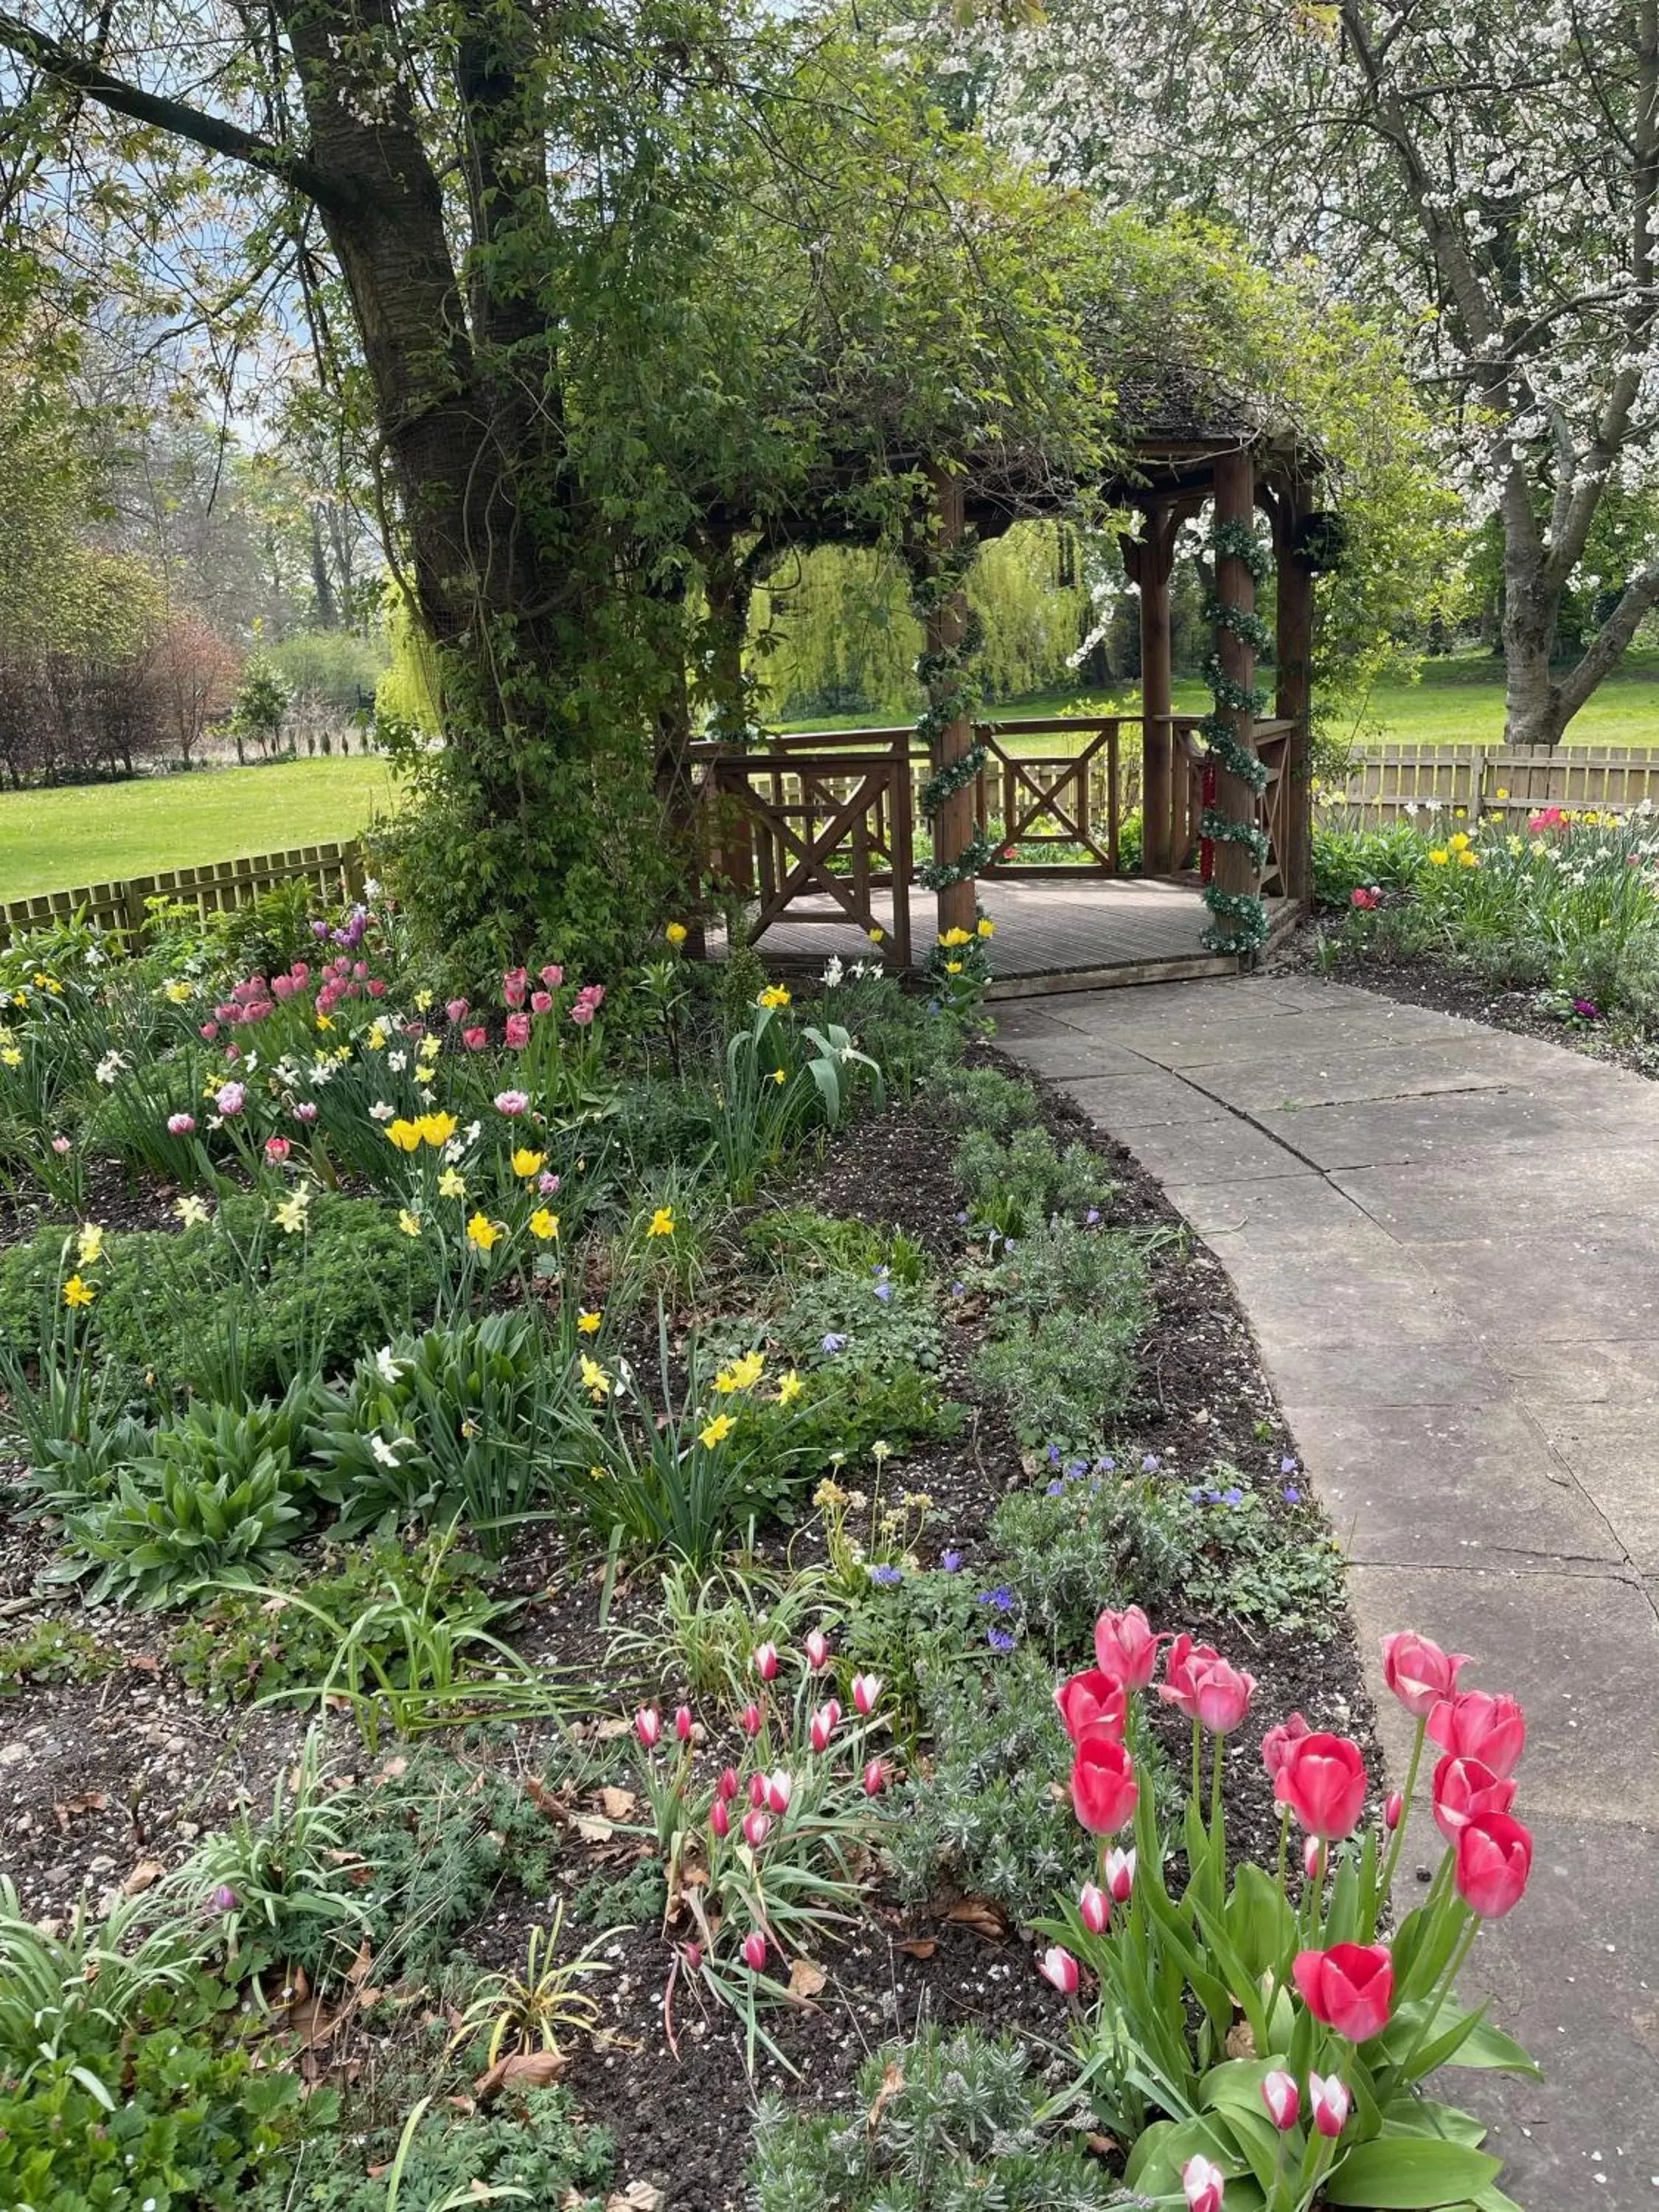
1016 1184
1092 1537
1068 1375
1260 1556
948 2121
984 1099
542 2152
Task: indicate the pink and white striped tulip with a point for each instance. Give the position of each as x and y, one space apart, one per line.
648 1726
867 1694
1059 1966
1330 2100
1094 1909
1282 2098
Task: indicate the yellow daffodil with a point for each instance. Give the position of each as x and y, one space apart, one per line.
484 1232
1469 859
11 1056
676 932
190 1209
54 987
406 1135
436 1129
1439 858
954 936
717 1432
790 1389
774 995
544 1225
985 927
595 1381
408 1222
527 1164
377 1036
422 1001
662 1222
90 1245
742 1374
452 1183
779 1075
325 1021
77 1293
1502 794
875 936
588 1324
180 993
1458 840
290 1215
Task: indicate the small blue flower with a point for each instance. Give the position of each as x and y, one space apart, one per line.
958 1290
1105 1464
889 1578
1091 1217
1075 1467
963 1216
884 1293
1002 1597
1234 1496
1149 1464
1292 1495
950 1562
1287 1466
832 1343
1054 1455
1056 1488
1196 1496
999 1639
933 1006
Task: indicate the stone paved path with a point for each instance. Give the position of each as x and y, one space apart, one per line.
1448 1242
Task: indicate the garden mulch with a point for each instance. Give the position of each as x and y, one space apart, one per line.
104 1784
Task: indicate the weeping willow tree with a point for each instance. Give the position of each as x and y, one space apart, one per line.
833 632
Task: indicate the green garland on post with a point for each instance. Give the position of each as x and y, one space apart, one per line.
952 697
1238 920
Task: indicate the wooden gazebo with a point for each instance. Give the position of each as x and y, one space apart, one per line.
822 827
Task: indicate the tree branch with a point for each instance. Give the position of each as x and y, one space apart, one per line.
213 132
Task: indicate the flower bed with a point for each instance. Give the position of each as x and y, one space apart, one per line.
547 1527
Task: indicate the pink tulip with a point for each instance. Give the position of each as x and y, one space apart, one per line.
867 1694
225 1898
1494 1860
754 1950
306 1112
475 1039
541 1002
1311 1849
757 1826
1103 1785
1466 1790
1474 1724
875 1778
766 1662
1059 1966
749 1720
1203 2185
1126 1648
1329 2100
1094 1909
552 974
1350 1987
817 1650
824 1724
1322 1780
779 1788
1222 1694
512 1103
648 1726
457 1010
691 1954
210 1031
728 1784
277 1150
720 1819
1178 1688
1282 2098
1277 1743
683 1723
1419 1672
513 985
757 1789
1093 1700
1393 1806
1120 1872
232 1098
517 1031
181 1125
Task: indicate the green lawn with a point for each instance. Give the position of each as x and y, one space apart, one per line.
99 833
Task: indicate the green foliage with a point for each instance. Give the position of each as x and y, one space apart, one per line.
1258 1558
1013 1183
1347 859
52 1650
962 2131
870 1322
1090 1537
1067 1375
261 701
541 2147
167 1528
983 1099
330 665
844 1409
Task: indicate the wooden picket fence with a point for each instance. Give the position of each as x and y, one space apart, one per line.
1392 782
335 872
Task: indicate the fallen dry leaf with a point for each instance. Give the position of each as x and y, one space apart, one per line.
391 1771
72 1809
618 1804
1241 2043
139 1662
144 1875
806 1979
593 1830
525 2069
891 2083
979 1914
357 1971
638 2196
919 1947
545 1801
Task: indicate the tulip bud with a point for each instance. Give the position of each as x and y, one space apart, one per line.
648 1726
823 1725
766 1660
1282 2098
867 1694
1311 1847
1202 2185
757 1789
875 1778
1059 1967
692 1955
1094 1909
1393 1806
728 1784
1329 2100
749 1720
757 1826
720 1819
817 1650
778 1787
754 1950
1120 1872
683 1724
224 1899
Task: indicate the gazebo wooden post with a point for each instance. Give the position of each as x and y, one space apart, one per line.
1293 700
953 824
1233 490
1150 559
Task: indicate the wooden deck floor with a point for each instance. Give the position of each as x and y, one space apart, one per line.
1050 935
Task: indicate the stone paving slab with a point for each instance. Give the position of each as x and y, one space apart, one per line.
1455 1284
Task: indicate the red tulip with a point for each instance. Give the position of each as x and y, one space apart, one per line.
1329 2099
778 1788
875 1778
1094 1909
1322 1780
648 1726
1221 1694
1277 1743
1494 1858
1350 1987
1465 1791
766 1660
754 1950
1092 1700
1202 2185
477 1038
1393 1806
867 1694
749 1720
817 1650
720 1819
728 1784
683 1724
1474 1724
1103 1785
757 1826
1126 1648
1178 1688
1420 1673
824 1723
1282 2098
692 1954
757 1789
1059 1967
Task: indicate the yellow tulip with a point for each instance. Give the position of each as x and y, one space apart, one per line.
544 1225
527 1164
484 1232
588 1324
